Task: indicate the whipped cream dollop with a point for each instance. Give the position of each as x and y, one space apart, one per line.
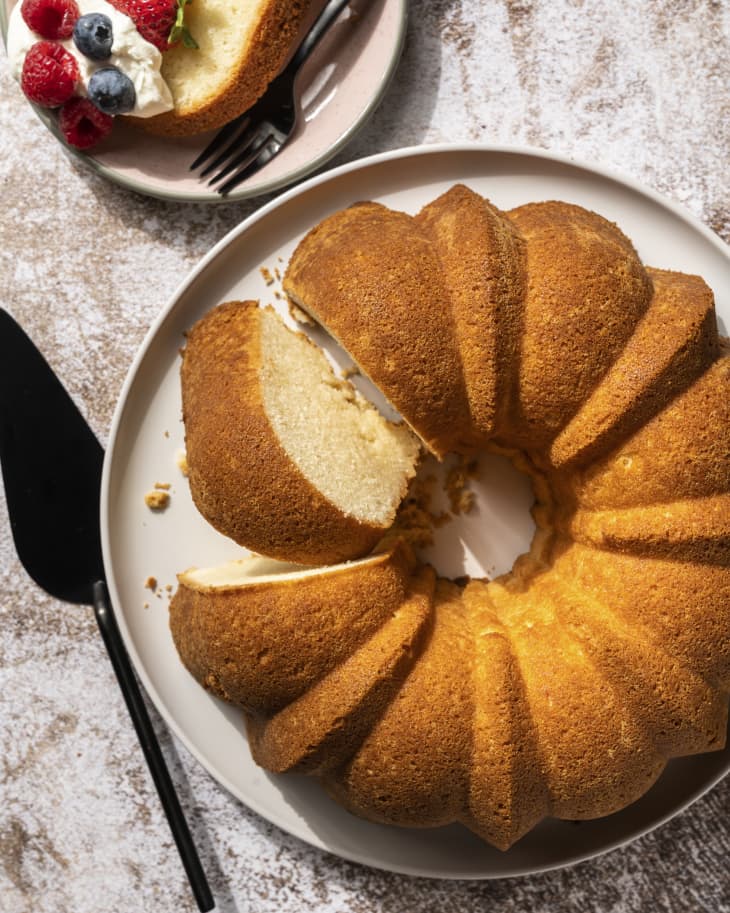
140 60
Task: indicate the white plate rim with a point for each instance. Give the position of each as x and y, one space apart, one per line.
331 175
244 193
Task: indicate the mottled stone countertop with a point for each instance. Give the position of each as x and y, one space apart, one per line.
640 86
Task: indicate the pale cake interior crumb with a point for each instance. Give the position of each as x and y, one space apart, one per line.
157 499
223 30
181 460
298 308
257 570
340 442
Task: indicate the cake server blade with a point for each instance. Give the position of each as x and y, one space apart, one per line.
51 467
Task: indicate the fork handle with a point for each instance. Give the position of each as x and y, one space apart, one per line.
321 25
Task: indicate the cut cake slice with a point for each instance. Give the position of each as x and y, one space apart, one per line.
242 46
371 278
283 457
250 630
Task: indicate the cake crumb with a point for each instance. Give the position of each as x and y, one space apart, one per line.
168 588
145 605
439 520
352 371
162 486
156 499
461 498
462 581
416 520
181 458
151 583
167 434
267 275
296 313
464 503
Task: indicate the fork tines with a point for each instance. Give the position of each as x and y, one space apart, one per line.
241 149
262 155
241 145
221 137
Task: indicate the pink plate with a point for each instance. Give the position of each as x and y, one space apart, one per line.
340 85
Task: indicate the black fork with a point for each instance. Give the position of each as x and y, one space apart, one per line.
249 142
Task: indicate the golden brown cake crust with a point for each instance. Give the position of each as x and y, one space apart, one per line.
429 737
507 790
586 291
697 629
683 712
581 719
672 345
249 77
227 637
483 260
645 470
691 530
373 280
325 726
241 479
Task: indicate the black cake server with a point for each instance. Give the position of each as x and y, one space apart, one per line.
51 468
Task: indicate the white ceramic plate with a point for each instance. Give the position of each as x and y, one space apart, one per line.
340 86
147 432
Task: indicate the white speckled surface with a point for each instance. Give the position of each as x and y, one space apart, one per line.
641 87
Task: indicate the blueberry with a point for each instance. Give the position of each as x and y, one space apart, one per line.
93 35
112 91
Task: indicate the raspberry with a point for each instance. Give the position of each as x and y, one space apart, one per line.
52 19
49 74
83 124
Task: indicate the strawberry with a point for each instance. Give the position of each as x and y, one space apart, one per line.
161 22
52 19
83 124
49 74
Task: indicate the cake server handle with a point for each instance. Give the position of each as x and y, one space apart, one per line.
151 747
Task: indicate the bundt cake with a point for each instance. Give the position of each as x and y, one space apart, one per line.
563 687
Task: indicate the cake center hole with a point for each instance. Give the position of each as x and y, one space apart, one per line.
482 538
